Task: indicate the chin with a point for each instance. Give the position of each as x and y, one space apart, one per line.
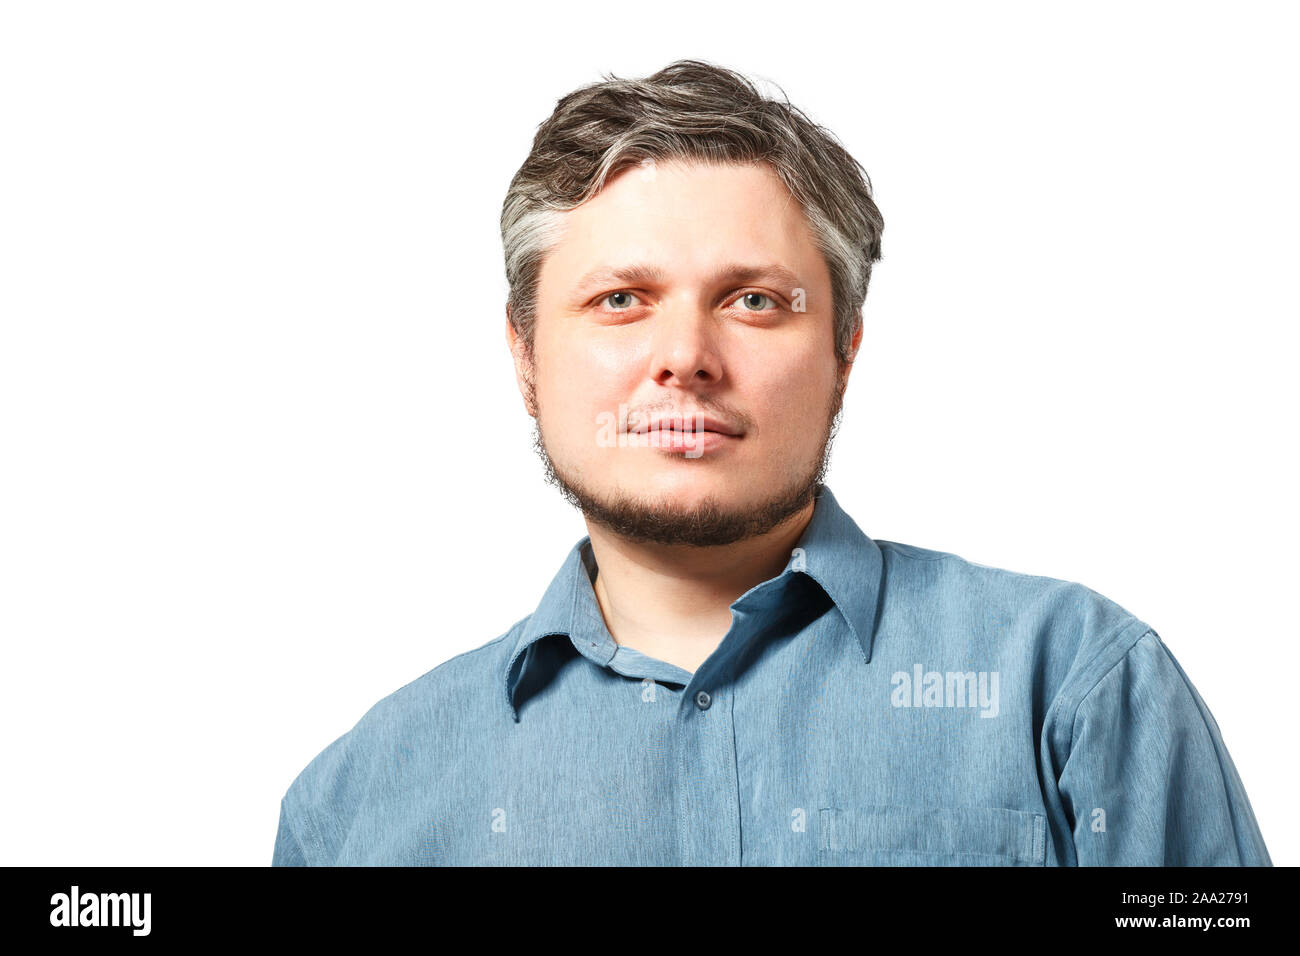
686 487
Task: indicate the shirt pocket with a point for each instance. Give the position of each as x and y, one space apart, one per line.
933 836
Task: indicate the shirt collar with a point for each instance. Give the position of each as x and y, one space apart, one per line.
832 550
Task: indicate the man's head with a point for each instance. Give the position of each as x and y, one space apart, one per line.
680 245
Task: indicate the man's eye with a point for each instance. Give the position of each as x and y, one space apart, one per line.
750 301
754 301
619 300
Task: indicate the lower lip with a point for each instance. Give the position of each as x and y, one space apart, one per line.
690 442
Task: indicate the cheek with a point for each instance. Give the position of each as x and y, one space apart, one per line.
594 373
576 390
790 394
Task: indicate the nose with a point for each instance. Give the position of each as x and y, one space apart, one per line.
685 348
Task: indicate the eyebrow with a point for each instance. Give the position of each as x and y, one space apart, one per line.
644 274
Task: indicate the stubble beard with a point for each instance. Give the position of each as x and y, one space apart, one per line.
708 523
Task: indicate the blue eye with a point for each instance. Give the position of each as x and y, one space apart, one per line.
625 296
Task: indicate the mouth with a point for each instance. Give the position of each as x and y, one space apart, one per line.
688 424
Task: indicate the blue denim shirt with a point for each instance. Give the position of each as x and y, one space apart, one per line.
875 703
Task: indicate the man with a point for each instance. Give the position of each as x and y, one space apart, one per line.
727 670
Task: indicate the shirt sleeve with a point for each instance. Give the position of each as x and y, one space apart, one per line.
1148 780
288 851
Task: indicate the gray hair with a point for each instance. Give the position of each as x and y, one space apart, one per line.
696 111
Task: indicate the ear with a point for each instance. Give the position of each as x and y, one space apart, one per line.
856 341
854 344
523 365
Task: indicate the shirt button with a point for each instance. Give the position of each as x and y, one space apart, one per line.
703 700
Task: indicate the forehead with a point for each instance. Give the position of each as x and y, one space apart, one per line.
685 218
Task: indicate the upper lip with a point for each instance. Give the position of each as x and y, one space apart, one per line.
686 420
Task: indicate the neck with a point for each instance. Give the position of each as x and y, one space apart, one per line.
672 602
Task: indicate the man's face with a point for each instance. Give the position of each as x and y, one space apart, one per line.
690 332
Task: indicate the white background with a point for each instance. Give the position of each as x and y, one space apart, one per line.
264 459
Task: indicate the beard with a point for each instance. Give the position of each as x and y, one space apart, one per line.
709 523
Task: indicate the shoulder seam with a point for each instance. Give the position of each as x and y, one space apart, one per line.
1074 717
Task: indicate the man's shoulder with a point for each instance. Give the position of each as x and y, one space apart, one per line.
428 706
460 676
948 569
1065 620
